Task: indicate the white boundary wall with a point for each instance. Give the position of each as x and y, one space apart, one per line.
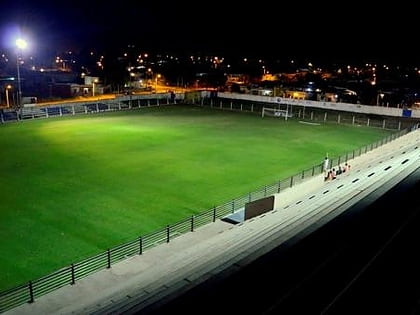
348 107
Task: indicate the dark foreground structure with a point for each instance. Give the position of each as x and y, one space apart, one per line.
364 261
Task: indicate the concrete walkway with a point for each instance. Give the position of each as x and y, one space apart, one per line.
165 271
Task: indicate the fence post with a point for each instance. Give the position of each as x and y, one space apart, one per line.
140 245
303 174
278 190
313 170
73 279
214 213
291 181
31 292
192 223
167 233
108 254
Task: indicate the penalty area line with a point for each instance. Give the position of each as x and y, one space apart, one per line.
309 123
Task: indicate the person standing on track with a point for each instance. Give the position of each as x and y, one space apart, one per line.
326 164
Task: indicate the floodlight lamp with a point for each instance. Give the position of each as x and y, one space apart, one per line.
21 43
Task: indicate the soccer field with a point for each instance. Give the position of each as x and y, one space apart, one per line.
71 187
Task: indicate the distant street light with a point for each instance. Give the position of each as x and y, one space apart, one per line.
132 75
130 88
8 87
20 44
93 86
156 82
379 98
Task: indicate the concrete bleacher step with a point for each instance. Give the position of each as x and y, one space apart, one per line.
197 267
224 259
33 112
410 140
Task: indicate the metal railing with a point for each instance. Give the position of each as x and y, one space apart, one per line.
88 107
313 114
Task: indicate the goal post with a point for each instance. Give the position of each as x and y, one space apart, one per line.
275 112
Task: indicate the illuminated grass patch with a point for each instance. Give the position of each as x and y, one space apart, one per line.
71 187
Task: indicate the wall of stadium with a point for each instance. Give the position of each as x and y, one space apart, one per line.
336 106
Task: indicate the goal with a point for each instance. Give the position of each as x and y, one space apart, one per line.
275 112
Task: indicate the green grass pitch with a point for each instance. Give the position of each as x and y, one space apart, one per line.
71 187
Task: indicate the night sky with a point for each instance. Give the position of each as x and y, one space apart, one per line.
282 29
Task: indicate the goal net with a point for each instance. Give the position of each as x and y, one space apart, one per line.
275 112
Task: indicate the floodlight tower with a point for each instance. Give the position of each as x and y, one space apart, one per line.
20 44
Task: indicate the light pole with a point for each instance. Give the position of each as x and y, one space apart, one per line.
379 98
20 44
130 88
93 86
156 82
8 87
132 75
